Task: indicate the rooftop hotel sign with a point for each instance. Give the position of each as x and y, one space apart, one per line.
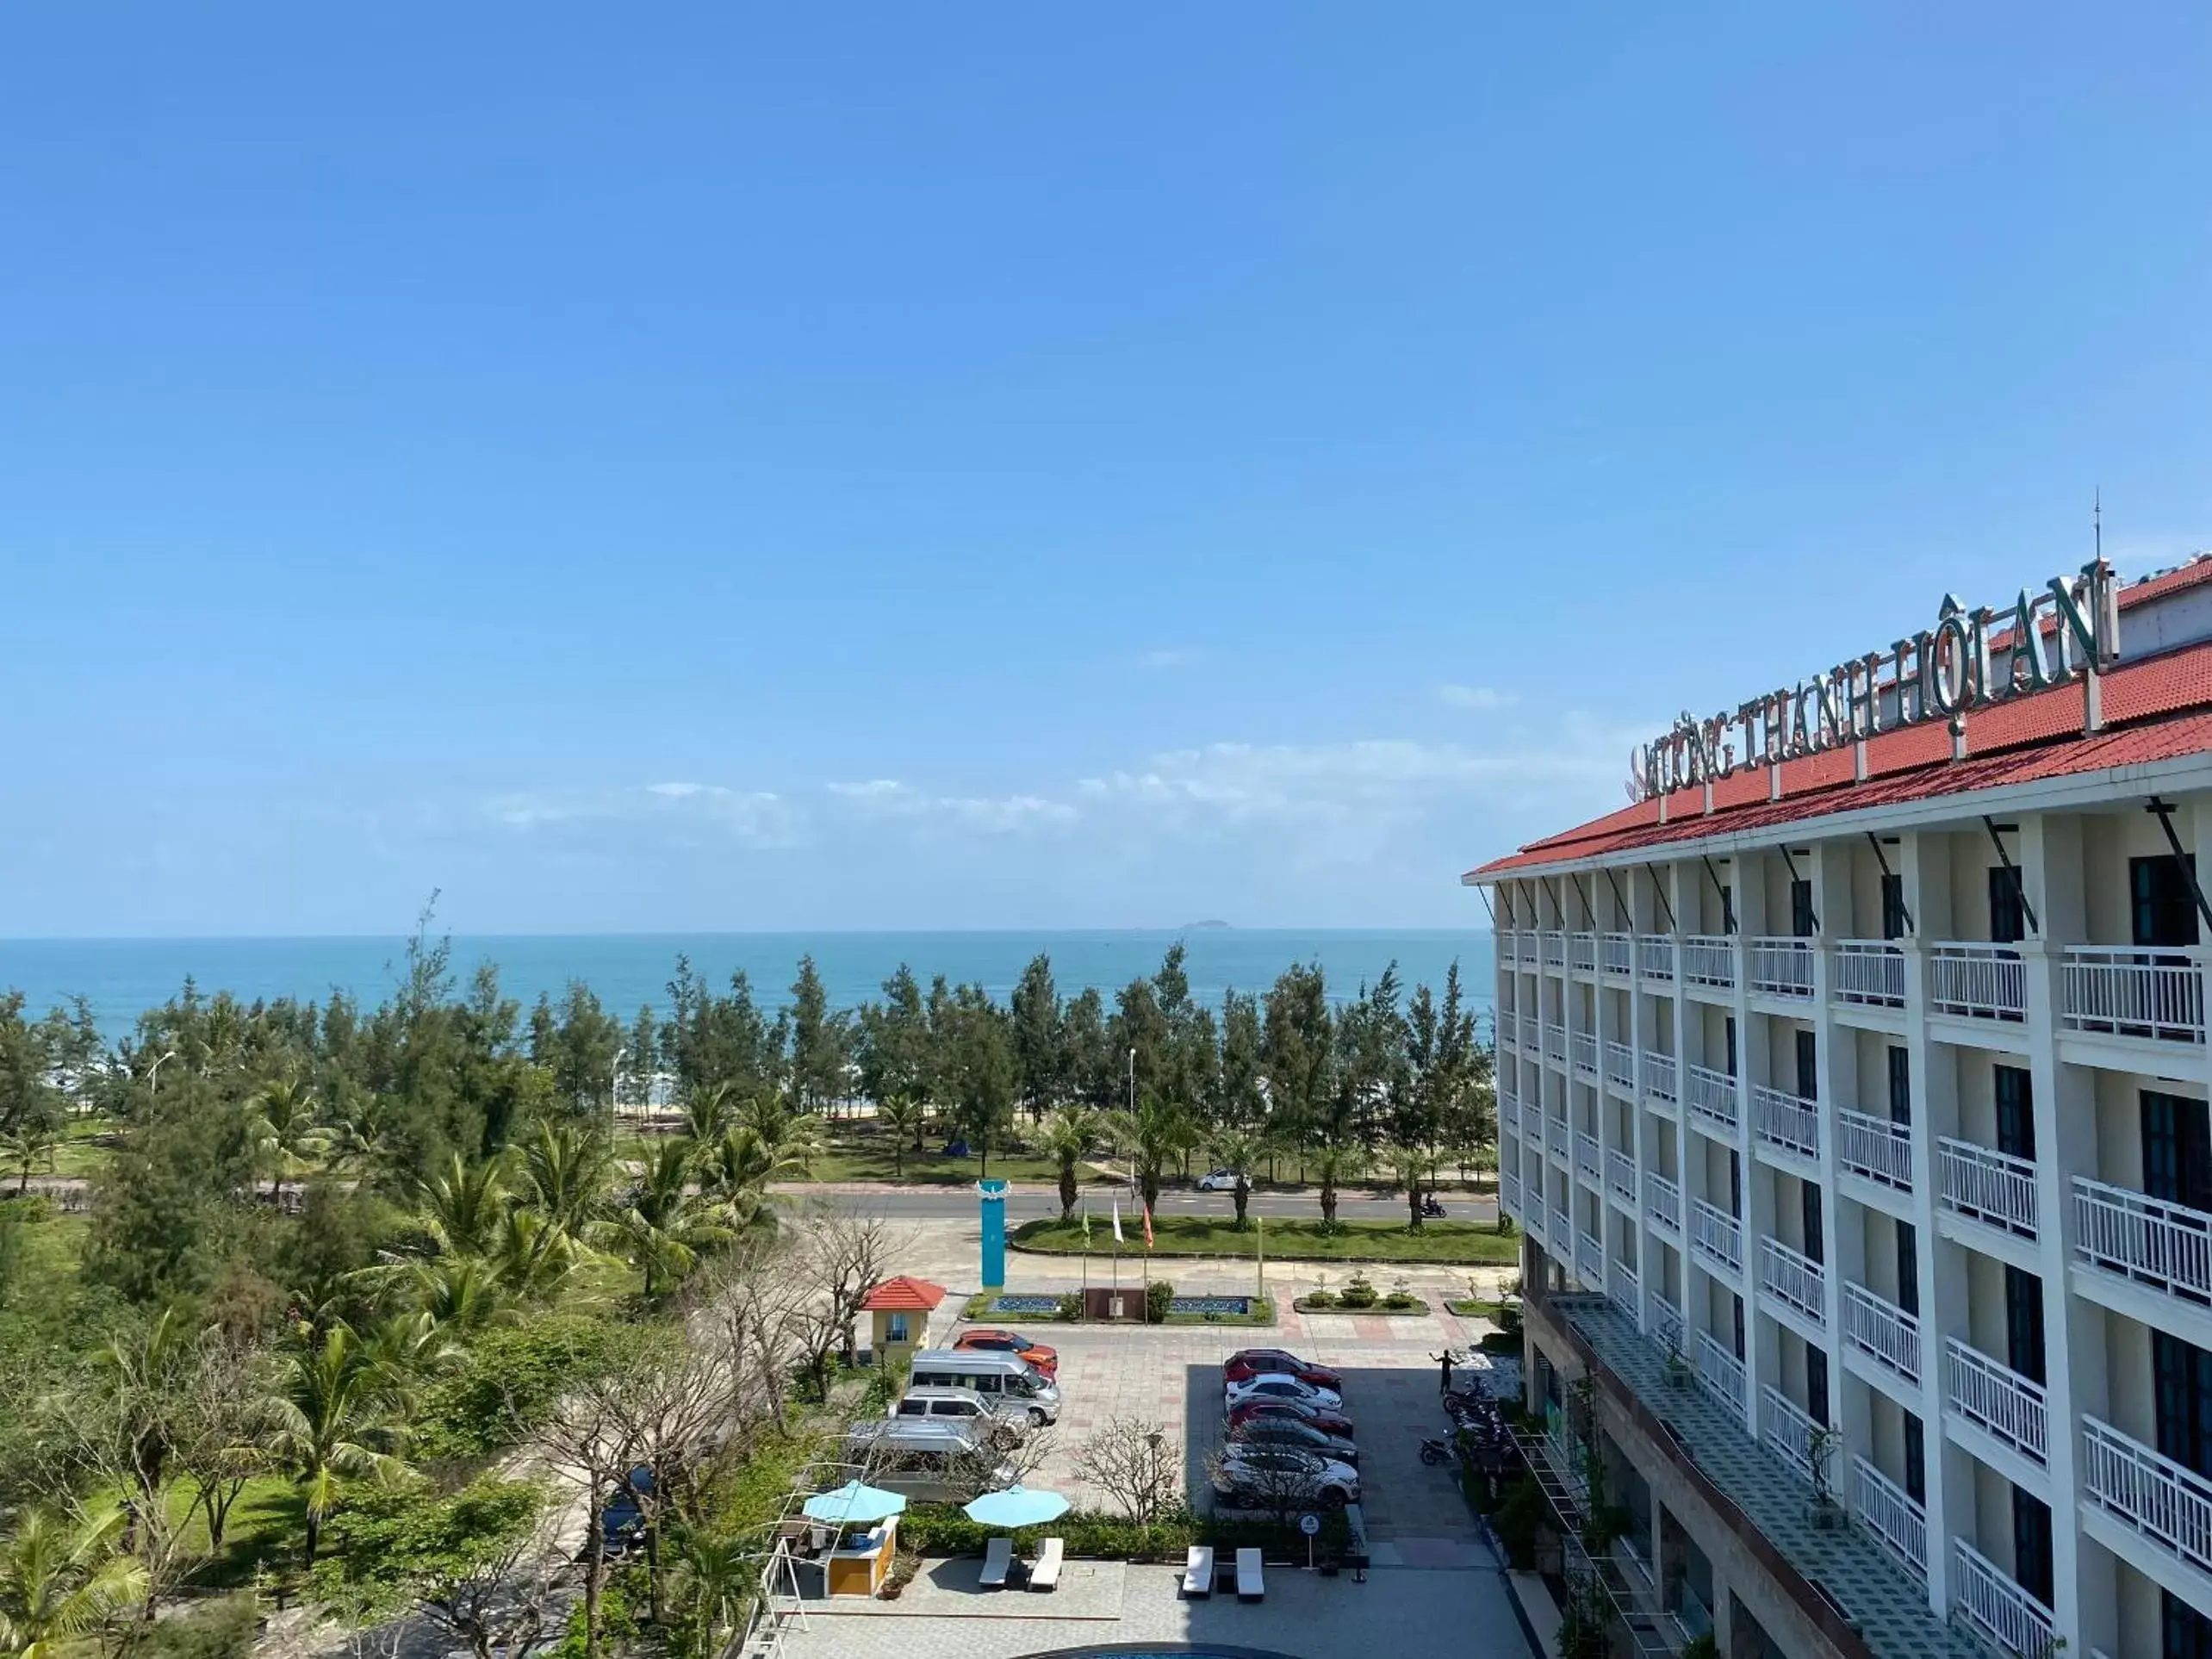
2068 630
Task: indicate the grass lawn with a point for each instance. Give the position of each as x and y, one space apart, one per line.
860 1151
1290 1240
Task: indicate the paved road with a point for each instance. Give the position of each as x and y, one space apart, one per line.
959 1203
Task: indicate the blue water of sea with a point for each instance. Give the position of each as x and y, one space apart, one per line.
122 978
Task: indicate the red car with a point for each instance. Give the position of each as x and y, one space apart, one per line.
1262 1362
1329 1421
1042 1360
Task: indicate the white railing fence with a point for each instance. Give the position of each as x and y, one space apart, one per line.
1782 966
1663 1199
1616 953
1620 1064
1554 946
1554 1040
1998 1400
1713 1096
1720 1372
1887 1511
2152 1492
1987 1185
1870 972
1620 1176
1874 1147
1587 1158
1795 1278
2128 991
1997 1607
1787 1429
1708 959
1879 1327
1585 1049
2168 1247
1717 1234
1790 1121
1983 982
1654 958
1659 1076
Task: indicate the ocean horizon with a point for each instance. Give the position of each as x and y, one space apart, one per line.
122 978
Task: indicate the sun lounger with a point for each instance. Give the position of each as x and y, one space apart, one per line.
1250 1587
1044 1575
997 1563
1198 1571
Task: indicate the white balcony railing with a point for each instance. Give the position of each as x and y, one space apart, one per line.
1620 1176
1659 1076
1584 1047
1878 1327
1887 1511
2128 991
1996 1607
1623 1289
1620 1064
1554 946
1616 953
1720 1372
1588 1159
1708 959
1997 1399
1664 1320
1869 972
1559 1141
1790 1121
1874 1147
1554 1040
2166 1246
1590 1261
1654 957
1713 1096
1582 951
1782 967
1982 982
1987 1185
1792 1277
1508 1029
1716 1235
1786 1430
1555 1225
1663 1199
1509 1192
2153 1495
1508 945
1509 1115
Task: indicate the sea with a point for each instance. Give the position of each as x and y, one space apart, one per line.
120 978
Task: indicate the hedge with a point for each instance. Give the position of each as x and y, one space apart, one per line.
943 1529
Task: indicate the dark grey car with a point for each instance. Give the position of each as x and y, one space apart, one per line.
1291 1432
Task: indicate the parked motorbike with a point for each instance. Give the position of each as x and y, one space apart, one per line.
1434 1452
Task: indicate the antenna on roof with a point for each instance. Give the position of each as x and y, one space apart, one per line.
2097 520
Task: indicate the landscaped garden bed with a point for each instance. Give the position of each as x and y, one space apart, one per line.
1476 1242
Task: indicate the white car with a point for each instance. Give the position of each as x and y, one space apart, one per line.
1278 1476
1219 1181
1279 1385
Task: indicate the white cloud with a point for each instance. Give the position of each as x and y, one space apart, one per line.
1170 656
758 818
1475 697
887 797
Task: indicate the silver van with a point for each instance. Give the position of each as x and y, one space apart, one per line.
1006 1380
939 1405
931 1460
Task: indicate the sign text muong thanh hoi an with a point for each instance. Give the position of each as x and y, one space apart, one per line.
2067 630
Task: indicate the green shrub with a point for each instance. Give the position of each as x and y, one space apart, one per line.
224 1629
1158 1294
1398 1302
1520 1513
1321 1299
1500 1342
942 1529
510 1379
1070 1309
1360 1293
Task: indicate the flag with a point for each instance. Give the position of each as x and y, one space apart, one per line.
1148 1226
1118 1221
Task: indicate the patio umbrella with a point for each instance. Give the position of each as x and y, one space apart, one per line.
853 1505
1016 1506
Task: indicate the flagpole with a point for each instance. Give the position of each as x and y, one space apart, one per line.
1259 1272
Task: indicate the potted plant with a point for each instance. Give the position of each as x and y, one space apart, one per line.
1678 1364
1820 1444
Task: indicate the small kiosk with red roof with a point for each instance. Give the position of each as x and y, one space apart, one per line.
901 1309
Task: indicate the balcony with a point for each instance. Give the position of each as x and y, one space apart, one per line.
1508 943
1620 1176
1717 1236
1782 967
1554 1225
1880 1329
1587 1158
1654 958
2147 1492
1976 982
1553 943
1554 1040
1874 1148
1582 951
1790 1121
1996 1607
1987 1185
1616 953
1584 1047
1713 1096
1659 1077
1720 1372
1509 1192
1997 1399
1508 1029
1623 1289
1620 1064
1589 1261
1785 1428
1665 1320
1869 972
1794 1279
1509 1115
1708 959
2125 991
1886 1510
1662 1199
2165 1246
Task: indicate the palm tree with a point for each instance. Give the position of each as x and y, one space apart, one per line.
1408 1164
61 1577
31 1141
283 1131
331 1417
361 1131
796 1137
532 1259
710 1111
901 1116
567 1166
461 1295
464 1206
1154 1133
1233 1149
665 1224
1334 1163
1066 1137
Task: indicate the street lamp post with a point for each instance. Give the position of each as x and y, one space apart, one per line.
614 1091
1133 1113
153 1074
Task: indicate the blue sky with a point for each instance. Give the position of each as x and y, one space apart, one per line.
1014 466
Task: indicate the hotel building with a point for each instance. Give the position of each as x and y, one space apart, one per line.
1852 1101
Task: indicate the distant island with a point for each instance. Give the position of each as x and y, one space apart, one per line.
1204 926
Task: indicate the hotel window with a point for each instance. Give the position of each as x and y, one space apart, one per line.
2186 1633
1816 1384
1915 1459
1808 1213
1737 1302
1801 909
2007 916
1808 1068
2023 1323
2165 909
1727 908
1908 1268
2177 1150
2016 1112
1730 1028
2031 1544
1900 1076
1893 907
2181 1378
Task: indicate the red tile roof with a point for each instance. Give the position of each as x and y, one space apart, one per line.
2158 709
903 1295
